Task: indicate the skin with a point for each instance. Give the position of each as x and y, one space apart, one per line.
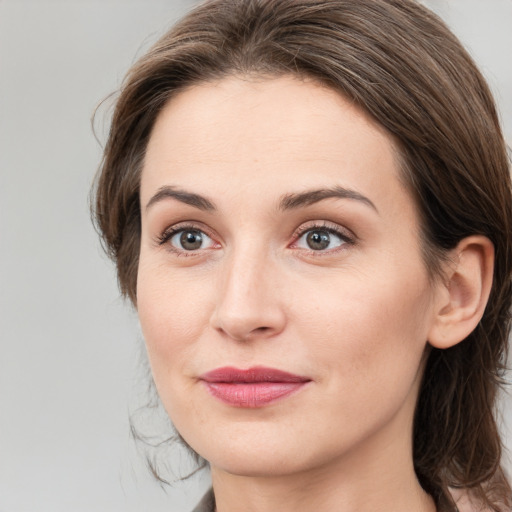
354 317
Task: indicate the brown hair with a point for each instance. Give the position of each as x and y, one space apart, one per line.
400 63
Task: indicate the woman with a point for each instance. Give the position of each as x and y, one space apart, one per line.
309 204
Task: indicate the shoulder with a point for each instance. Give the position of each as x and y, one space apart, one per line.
207 503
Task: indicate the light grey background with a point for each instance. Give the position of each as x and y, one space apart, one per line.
70 348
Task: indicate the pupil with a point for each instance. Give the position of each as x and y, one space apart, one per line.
191 240
318 240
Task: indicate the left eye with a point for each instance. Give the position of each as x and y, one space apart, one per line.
320 240
190 240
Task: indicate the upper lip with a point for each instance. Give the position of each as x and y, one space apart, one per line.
251 375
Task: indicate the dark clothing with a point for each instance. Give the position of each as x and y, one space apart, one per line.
207 504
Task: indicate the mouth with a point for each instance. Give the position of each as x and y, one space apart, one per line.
252 388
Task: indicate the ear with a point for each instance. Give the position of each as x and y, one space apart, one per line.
462 296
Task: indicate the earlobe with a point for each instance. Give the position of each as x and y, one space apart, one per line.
462 296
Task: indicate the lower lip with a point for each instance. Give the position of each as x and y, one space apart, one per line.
252 394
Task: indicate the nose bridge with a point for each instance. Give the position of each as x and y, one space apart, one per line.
248 304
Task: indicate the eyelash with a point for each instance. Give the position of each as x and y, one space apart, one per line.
169 233
343 234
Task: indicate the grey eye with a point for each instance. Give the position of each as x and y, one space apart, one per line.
320 240
191 240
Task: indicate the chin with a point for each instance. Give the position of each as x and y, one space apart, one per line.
251 455
248 451
260 465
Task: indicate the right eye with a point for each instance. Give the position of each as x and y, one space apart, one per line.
190 240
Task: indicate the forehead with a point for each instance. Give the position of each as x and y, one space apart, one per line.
268 134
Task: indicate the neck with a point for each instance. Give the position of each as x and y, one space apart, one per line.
323 491
377 475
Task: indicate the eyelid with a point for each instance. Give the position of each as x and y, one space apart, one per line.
343 233
348 237
165 237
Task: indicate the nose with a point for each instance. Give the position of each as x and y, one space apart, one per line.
249 303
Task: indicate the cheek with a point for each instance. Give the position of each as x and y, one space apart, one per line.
373 326
173 312
368 345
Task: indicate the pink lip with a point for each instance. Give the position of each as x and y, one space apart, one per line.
251 388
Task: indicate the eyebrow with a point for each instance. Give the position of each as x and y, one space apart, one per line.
309 197
196 200
287 202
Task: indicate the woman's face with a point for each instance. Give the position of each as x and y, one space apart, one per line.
277 237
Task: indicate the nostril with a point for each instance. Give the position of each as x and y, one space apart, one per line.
253 334
241 315
262 330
